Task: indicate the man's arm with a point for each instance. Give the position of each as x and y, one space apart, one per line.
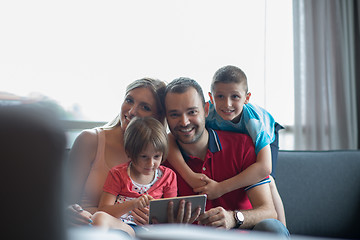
263 208
262 203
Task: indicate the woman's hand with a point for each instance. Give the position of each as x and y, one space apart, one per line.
77 215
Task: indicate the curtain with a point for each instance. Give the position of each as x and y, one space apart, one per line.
325 75
357 61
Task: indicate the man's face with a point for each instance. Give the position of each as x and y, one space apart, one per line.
185 115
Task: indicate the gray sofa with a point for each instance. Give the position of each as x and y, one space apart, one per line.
321 192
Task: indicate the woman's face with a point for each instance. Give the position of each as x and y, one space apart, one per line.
139 102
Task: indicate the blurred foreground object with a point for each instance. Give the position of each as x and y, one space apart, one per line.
32 144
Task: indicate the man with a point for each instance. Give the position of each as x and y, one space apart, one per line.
219 155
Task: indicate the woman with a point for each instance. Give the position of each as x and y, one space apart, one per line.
96 151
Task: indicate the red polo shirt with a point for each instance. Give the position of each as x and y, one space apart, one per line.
228 154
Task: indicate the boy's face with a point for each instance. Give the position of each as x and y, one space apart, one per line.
229 100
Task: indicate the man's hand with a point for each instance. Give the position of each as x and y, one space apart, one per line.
184 214
218 217
212 188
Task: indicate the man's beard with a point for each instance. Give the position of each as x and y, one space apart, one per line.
187 140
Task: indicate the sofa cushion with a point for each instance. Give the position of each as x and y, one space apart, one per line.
320 191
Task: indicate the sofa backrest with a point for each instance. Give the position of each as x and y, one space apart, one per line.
321 192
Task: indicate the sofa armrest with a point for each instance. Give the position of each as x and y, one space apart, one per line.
320 191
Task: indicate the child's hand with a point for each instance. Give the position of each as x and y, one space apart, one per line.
143 201
195 180
212 188
141 215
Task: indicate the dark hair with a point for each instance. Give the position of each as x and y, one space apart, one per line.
143 131
229 74
181 85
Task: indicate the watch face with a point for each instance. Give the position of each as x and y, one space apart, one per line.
240 216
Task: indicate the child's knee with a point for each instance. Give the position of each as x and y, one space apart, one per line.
106 222
100 219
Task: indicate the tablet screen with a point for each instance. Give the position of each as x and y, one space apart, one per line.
158 207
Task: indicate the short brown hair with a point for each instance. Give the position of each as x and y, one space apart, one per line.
143 131
181 85
229 74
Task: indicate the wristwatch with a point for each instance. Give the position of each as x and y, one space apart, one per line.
239 218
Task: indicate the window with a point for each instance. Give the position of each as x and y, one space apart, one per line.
82 54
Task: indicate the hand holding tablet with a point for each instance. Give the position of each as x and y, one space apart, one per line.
159 208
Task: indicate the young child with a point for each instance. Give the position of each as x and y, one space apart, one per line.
132 185
230 110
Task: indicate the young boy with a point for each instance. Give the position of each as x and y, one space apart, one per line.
230 110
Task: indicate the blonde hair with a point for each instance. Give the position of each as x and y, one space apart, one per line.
157 87
143 131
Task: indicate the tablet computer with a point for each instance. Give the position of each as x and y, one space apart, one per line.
158 207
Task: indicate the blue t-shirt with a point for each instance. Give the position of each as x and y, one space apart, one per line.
255 122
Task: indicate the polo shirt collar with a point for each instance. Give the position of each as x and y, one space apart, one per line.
214 141
214 144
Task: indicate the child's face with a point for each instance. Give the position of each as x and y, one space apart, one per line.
229 100
147 161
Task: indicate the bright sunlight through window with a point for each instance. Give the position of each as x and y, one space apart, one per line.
81 54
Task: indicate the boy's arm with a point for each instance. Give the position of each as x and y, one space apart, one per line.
177 161
251 175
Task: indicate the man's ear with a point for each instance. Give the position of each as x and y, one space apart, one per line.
207 105
211 98
248 95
